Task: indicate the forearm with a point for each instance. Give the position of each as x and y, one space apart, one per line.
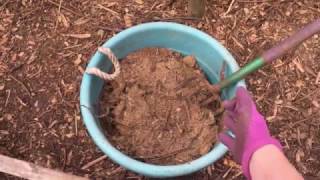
269 162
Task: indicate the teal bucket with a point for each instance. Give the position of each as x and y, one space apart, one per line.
186 40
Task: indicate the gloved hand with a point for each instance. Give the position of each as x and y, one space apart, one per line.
249 127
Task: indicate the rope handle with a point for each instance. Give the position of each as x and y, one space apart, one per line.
103 75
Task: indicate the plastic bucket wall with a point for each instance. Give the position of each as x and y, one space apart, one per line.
189 41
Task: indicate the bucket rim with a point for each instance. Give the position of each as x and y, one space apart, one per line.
92 122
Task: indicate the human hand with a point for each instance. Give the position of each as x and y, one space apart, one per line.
249 127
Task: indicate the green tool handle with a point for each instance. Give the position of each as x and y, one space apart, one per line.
271 54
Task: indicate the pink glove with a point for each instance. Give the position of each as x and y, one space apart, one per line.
249 127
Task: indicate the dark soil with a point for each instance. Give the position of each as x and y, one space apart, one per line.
41 67
160 108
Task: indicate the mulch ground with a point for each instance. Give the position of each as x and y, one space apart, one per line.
45 46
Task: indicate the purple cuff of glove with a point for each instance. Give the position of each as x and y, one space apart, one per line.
253 148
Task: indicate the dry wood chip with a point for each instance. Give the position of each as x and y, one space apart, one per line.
81 70
110 4
299 155
79 36
127 20
78 60
81 21
190 61
309 143
275 111
18 37
94 162
3 40
231 163
64 20
278 101
4 132
108 9
298 65
8 117
139 1
318 78
299 83
32 58
69 158
21 54
315 103
2 87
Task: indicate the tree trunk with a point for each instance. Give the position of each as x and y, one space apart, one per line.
196 8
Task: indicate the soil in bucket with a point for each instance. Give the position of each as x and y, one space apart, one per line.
161 109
